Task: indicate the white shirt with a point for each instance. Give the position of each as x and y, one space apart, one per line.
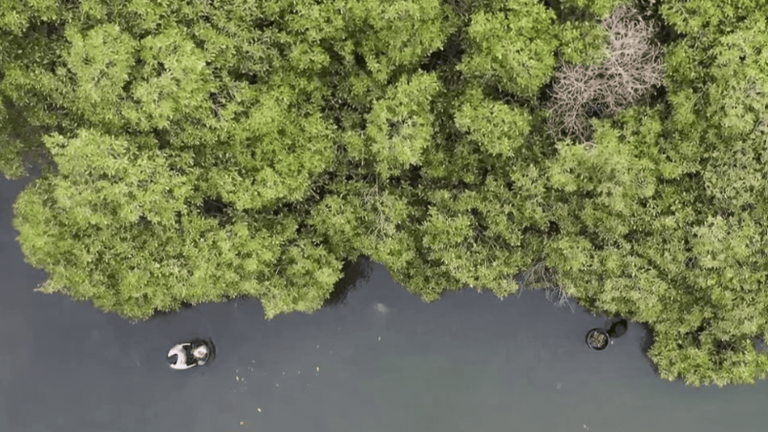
181 359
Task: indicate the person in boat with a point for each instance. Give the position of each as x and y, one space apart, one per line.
187 355
200 353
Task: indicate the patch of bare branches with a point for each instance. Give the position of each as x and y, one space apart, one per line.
542 277
634 65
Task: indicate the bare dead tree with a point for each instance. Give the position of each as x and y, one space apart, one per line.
633 66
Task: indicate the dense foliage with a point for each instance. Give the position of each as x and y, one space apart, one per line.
201 150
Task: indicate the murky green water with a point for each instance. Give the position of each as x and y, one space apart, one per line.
382 362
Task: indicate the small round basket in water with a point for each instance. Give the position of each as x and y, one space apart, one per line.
598 339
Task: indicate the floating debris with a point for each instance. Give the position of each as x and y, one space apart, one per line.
379 337
259 409
318 368
241 423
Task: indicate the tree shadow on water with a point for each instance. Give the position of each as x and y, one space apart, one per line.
616 327
645 345
355 272
166 313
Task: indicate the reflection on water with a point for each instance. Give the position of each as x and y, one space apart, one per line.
645 345
168 313
616 327
355 274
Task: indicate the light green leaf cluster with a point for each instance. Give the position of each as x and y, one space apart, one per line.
271 148
599 8
513 46
100 177
399 126
113 226
16 15
711 17
100 63
583 42
398 33
497 128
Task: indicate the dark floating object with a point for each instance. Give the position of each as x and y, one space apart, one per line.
190 354
598 339
618 329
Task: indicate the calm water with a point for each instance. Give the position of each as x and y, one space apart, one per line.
382 362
